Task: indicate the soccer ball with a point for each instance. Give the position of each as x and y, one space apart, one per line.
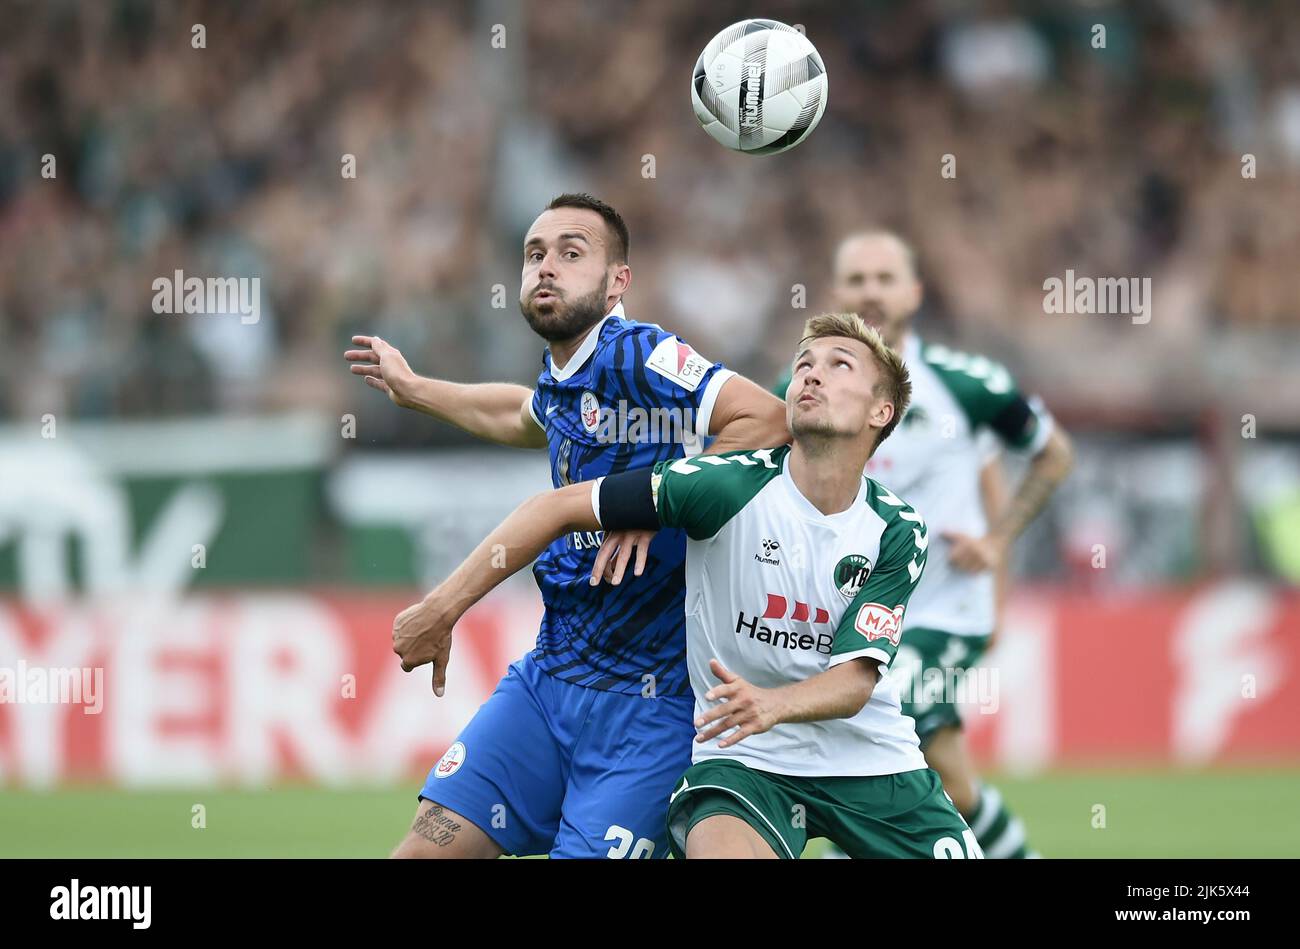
759 87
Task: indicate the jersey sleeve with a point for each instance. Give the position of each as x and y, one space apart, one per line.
700 494
535 409
872 626
991 399
656 370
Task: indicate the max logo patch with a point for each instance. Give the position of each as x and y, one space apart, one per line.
876 621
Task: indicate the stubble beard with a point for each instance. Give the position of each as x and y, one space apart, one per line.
815 436
564 319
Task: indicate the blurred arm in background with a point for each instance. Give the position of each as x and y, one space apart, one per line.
1047 470
993 498
494 411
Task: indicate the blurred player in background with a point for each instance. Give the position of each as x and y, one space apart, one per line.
939 460
576 752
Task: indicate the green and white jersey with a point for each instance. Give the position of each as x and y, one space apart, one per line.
778 592
962 405
934 458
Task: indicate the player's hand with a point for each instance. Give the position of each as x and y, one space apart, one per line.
422 633
615 552
745 707
381 367
973 554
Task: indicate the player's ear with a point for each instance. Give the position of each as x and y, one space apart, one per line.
620 278
881 413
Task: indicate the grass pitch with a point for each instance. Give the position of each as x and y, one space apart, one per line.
1148 813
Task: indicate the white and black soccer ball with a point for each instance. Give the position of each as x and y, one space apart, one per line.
759 87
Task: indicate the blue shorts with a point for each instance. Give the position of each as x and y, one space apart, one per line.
550 767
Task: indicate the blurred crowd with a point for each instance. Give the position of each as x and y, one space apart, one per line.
228 158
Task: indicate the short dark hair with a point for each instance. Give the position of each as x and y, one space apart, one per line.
616 246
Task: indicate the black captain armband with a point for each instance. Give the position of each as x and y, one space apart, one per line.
1012 421
626 502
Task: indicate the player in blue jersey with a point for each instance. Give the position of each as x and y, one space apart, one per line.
577 751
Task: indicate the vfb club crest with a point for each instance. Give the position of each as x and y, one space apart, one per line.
850 574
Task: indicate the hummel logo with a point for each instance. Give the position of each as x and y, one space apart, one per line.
769 548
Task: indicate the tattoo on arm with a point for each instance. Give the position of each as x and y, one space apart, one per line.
436 827
1028 501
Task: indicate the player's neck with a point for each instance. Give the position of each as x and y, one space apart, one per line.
563 350
827 471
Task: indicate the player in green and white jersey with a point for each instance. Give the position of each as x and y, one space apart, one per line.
798 574
939 460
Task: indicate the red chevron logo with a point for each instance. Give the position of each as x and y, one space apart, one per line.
776 608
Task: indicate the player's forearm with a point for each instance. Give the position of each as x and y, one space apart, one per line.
489 410
514 544
993 497
748 417
840 692
1048 469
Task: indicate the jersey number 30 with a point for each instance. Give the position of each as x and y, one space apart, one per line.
644 848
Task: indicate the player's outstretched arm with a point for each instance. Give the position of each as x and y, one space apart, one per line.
422 632
494 411
839 692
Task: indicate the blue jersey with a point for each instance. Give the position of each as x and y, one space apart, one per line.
631 396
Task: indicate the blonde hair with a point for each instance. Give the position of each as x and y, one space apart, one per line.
895 383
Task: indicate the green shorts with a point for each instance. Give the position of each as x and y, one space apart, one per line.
925 700
889 815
